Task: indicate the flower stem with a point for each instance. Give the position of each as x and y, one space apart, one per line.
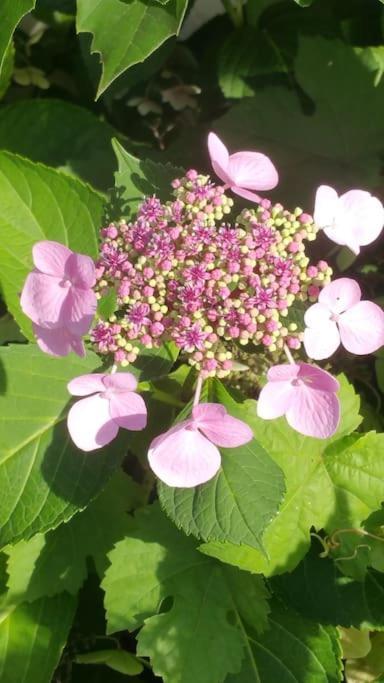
199 386
289 355
113 368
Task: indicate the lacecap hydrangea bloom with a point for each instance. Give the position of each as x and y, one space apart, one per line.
219 283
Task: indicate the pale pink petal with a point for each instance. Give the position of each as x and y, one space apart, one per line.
314 413
120 381
183 458
51 257
128 410
208 412
321 341
55 342
318 378
361 216
90 424
252 171
246 194
284 372
78 347
325 206
362 328
79 310
219 427
43 298
80 269
317 314
219 157
230 433
275 399
340 294
86 384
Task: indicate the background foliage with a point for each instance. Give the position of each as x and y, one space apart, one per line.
273 571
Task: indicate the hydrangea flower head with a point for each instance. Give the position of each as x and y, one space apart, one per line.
58 297
354 219
242 171
305 394
111 403
184 273
187 454
341 317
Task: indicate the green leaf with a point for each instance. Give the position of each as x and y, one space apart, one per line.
11 12
135 178
239 503
9 330
39 203
55 562
156 362
342 141
139 27
321 481
75 140
203 593
245 55
7 69
292 649
107 304
51 479
32 638
317 590
118 660
373 59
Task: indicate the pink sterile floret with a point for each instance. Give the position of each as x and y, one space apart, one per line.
242 171
354 219
340 316
306 395
58 297
111 403
187 454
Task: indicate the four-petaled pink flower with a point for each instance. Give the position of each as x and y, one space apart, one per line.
186 455
242 171
58 297
340 316
354 219
305 394
111 403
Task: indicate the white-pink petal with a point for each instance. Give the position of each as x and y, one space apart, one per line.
51 257
219 157
86 384
43 298
80 269
340 294
183 458
362 328
120 381
274 400
58 341
79 310
325 206
252 170
128 410
322 340
246 194
90 424
314 413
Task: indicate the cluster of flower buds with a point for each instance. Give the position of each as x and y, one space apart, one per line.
183 273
